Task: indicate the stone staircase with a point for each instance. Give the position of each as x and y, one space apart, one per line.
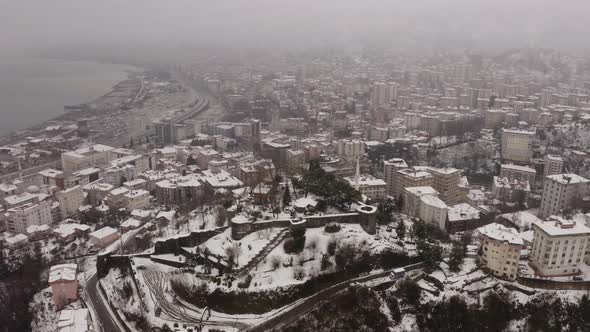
273 243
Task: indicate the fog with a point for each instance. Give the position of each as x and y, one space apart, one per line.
122 26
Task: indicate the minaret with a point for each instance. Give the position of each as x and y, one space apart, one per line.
20 169
357 176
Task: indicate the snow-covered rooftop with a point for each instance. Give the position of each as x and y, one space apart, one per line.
463 211
433 201
568 178
73 321
558 226
62 272
501 233
103 232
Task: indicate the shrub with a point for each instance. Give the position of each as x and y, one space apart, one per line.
275 262
298 273
332 228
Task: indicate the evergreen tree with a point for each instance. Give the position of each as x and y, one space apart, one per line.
457 256
286 196
401 229
190 160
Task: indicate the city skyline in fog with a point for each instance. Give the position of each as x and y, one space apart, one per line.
118 27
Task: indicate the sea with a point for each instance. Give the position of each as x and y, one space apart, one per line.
34 90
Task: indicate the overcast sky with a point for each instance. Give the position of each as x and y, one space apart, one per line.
40 24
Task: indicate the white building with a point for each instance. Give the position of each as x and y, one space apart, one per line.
563 192
559 246
136 199
86 157
516 145
433 211
500 250
74 320
390 168
352 147
368 185
69 201
21 217
411 197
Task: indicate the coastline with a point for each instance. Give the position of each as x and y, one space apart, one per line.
131 73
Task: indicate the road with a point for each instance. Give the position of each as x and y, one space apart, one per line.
105 321
287 317
158 284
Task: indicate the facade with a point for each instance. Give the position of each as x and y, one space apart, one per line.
500 250
559 246
516 145
69 201
63 279
409 177
553 165
519 173
390 168
136 199
563 192
178 190
446 181
433 211
507 191
368 185
411 196
86 157
350 147
295 159
18 219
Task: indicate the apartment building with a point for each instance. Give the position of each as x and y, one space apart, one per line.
518 173
553 165
500 250
390 168
19 218
411 177
563 192
69 201
368 185
86 157
516 145
446 181
559 246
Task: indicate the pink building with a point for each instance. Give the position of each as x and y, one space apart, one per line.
64 284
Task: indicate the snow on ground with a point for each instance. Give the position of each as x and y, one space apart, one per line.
246 248
45 317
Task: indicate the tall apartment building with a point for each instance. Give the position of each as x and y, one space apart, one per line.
446 182
86 157
69 201
559 246
411 177
390 168
500 250
21 217
516 145
383 93
350 147
562 192
553 165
